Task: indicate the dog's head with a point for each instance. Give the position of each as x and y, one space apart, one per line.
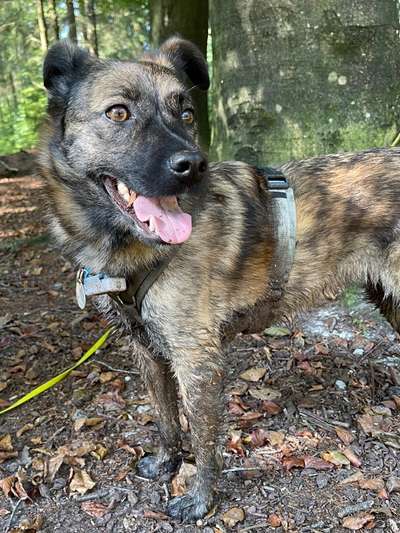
121 146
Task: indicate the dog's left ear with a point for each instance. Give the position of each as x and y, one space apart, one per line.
187 58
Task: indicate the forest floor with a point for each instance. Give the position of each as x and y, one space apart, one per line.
313 426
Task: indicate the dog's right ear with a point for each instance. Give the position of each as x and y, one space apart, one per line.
186 57
64 64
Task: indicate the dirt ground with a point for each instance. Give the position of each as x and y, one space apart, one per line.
313 440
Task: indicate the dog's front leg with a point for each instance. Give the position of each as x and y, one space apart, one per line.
201 385
161 385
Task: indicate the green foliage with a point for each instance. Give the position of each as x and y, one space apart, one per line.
123 32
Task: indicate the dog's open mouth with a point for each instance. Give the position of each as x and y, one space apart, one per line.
158 217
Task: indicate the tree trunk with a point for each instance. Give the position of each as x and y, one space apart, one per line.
91 26
190 20
13 88
82 20
71 21
295 79
44 41
54 19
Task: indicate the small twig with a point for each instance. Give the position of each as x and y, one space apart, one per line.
166 492
134 372
97 495
367 354
12 515
352 509
54 435
240 469
314 419
7 167
338 423
260 524
143 478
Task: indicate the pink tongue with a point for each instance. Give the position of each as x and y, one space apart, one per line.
170 223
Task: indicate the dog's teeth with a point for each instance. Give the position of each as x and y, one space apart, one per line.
132 197
123 191
152 226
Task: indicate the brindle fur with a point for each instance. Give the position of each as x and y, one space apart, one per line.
217 283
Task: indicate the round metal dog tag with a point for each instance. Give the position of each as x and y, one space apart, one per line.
80 290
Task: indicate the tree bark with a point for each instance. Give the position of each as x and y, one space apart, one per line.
72 35
91 26
54 19
13 88
190 20
298 78
82 21
44 41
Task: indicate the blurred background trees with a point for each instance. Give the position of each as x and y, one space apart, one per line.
291 78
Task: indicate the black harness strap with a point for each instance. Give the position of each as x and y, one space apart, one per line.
137 286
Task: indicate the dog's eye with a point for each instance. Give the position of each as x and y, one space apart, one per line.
188 116
118 113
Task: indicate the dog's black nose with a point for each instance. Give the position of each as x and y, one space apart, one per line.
188 166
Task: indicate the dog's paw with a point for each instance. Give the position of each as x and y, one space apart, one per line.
152 466
189 507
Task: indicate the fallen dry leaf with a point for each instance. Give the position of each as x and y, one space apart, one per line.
265 393
274 520
335 457
154 515
95 509
29 525
233 516
88 422
371 484
345 436
271 408
380 410
249 418
234 443
354 478
352 457
7 455
256 438
99 452
81 482
253 374
383 494
275 438
13 485
24 429
370 424
105 377
181 482
358 521
234 408
321 348
393 484
292 462
3 512
5 443
316 463
7 483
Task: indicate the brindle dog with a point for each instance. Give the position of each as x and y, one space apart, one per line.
127 185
